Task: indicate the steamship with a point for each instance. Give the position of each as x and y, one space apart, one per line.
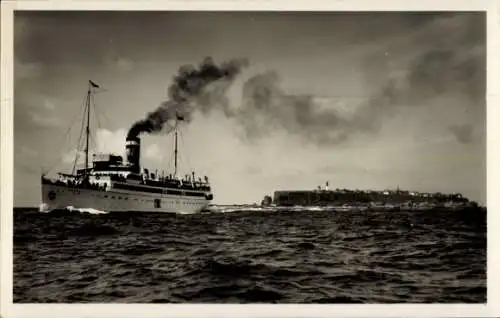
117 184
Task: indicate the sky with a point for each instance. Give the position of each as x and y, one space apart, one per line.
361 100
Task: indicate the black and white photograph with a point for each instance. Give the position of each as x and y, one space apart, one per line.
249 157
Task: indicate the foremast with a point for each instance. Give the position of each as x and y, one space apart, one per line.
87 129
91 86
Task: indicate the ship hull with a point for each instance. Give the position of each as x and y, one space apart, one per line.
60 197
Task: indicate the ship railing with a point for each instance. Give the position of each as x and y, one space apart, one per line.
74 184
167 183
161 181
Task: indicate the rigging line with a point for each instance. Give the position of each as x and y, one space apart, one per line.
185 154
79 143
95 113
172 154
164 158
169 165
77 156
62 142
102 113
98 113
170 148
65 135
26 168
179 152
92 144
98 124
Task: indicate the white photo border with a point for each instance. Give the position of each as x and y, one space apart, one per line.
491 309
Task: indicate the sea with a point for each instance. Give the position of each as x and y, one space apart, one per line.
250 256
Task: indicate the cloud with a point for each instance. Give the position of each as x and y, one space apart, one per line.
442 74
437 68
69 157
108 141
28 152
463 133
119 63
105 142
24 70
124 64
253 169
44 120
49 105
153 152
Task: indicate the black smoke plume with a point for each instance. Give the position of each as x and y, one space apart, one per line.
434 64
449 73
266 107
190 87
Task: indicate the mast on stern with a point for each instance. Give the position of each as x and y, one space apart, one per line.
175 149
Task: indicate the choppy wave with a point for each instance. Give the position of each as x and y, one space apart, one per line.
250 255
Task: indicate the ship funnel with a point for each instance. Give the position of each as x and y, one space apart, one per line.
133 153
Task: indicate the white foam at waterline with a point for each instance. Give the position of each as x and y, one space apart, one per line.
232 209
85 210
185 212
44 209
